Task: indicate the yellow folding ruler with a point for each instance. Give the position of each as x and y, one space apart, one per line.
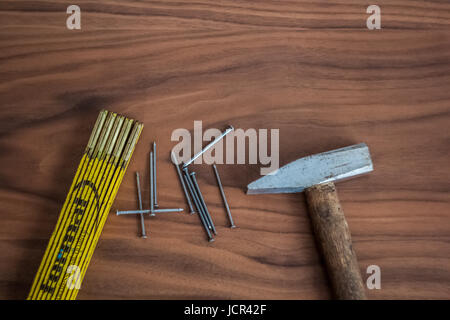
86 208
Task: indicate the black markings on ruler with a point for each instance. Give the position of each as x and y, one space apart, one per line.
66 247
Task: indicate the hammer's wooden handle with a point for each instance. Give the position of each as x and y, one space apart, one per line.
333 237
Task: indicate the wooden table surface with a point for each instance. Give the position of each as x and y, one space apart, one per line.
308 68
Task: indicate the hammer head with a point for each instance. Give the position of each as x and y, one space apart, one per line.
331 166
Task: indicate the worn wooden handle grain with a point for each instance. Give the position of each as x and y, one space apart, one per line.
333 236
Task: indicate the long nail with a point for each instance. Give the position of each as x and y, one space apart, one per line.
223 197
188 199
202 202
196 195
201 214
154 176
140 206
227 131
148 211
151 182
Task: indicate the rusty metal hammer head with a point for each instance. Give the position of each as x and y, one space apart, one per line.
331 166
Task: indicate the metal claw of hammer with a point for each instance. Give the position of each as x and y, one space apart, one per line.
316 176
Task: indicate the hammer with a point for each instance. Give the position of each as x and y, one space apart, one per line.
316 176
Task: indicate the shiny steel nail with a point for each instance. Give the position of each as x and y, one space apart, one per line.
223 197
148 211
227 131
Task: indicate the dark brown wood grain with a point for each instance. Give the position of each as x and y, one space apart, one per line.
334 240
308 68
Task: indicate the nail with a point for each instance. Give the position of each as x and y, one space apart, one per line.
154 175
202 202
148 211
151 181
175 162
196 195
227 131
223 197
197 204
140 205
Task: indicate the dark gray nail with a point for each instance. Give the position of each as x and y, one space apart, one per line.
224 197
154 176
138 184
151 182
202 202
200 211
175 162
